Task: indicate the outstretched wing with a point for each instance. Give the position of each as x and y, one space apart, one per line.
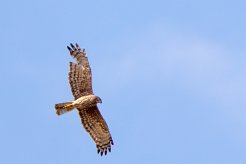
96 126
80 73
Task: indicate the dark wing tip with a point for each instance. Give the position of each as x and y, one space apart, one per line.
69 48
72 46
103 151
112 142
77 46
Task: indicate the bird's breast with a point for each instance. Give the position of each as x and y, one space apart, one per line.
84 102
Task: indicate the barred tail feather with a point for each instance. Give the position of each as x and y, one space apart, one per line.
62 108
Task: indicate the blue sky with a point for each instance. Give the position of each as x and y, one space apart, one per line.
171 75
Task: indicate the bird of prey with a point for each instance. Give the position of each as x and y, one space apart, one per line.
85 101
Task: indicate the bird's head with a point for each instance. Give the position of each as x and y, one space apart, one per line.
98 100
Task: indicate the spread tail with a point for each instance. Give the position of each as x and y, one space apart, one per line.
62 108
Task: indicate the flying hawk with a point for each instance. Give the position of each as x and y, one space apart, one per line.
85 101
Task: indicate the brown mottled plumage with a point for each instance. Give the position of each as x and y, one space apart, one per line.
85 101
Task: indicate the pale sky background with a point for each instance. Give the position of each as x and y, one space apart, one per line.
171 74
